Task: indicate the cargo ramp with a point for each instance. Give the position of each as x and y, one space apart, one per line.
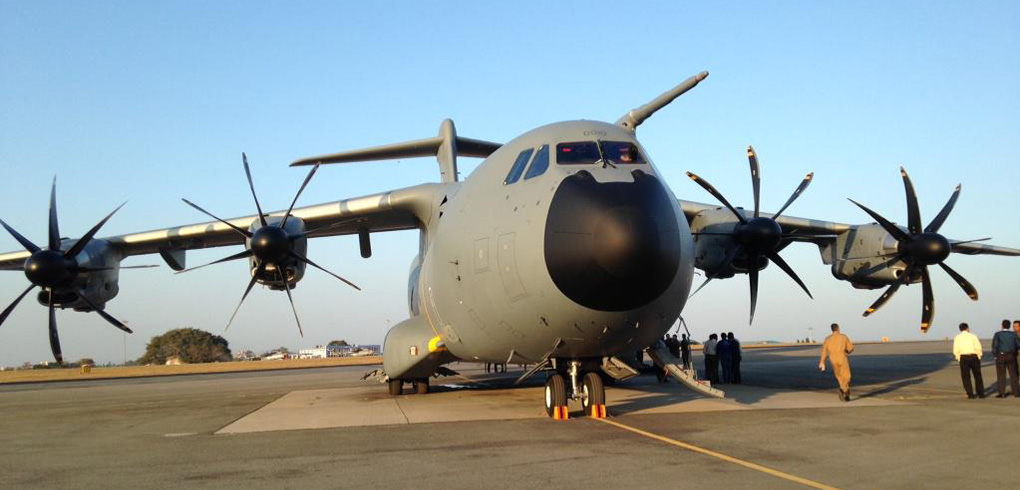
662 358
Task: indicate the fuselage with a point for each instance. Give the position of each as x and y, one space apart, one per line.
565 238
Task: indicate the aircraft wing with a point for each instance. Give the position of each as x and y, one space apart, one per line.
810 228
400 209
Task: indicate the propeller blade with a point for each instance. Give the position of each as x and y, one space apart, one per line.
254 278
149 266
14 304
893 230
106 316
31 247
207 213
964 284
774 257
54 337
317 266
85 239
755 179
707 280
889 292
936 223
796 193
54 242
928 308
292 307
251 185
913 211
239 255
971 241
711 190
752 275
296 196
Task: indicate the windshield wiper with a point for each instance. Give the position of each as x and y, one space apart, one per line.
602 155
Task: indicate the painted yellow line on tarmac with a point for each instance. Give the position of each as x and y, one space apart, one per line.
729 459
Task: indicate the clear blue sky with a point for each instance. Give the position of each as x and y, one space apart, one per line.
151 102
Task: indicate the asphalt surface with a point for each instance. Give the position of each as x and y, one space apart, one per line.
159 433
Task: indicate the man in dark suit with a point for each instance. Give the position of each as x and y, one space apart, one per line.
1005 345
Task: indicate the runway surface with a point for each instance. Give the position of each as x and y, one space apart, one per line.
909 426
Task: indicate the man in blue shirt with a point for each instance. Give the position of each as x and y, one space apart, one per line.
1005 345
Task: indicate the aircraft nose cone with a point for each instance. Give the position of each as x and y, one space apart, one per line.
622 238
613 246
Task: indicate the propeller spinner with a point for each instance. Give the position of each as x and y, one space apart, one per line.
53 269
919 248
271 245
758 236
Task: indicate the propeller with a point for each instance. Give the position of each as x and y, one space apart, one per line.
53 269
758 237
271 245
919 248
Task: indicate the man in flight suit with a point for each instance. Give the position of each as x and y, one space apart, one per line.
836 348
1005 345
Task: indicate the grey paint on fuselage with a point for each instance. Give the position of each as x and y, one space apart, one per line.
485 280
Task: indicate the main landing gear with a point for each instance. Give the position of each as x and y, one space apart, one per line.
587 388
419 386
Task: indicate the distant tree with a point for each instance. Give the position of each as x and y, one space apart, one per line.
189 344
337 343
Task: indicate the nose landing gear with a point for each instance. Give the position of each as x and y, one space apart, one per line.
588 388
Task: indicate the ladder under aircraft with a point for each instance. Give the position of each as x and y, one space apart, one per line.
663 359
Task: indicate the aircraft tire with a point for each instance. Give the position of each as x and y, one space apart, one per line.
555 394
594 393
396 386
421 386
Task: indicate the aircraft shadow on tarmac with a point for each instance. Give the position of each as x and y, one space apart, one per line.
783 369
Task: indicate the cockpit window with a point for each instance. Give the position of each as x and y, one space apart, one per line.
518 168
539 164
587 152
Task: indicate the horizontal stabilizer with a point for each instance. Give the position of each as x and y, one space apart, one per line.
409 149
446 147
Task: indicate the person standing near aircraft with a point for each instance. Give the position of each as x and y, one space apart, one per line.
725 350
737 355
685 351
967 349
1005 345
711 359
836 348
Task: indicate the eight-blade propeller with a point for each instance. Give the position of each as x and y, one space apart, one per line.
918 248
53 269
756 237
271 245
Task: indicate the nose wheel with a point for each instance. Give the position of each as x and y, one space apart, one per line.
556 397
593 396
588 388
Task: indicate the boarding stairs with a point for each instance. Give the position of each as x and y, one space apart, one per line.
688 377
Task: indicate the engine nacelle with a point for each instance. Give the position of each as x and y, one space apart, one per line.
710 251
865 256
290 270
99 286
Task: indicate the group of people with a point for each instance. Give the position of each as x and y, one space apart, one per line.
1005 346
679 348
722 350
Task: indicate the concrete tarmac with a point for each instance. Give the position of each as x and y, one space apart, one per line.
909 427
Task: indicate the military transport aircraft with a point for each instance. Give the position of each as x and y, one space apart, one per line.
562 250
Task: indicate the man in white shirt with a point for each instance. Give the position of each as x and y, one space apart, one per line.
711 359
967 349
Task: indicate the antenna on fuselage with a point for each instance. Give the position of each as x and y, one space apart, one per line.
635 117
